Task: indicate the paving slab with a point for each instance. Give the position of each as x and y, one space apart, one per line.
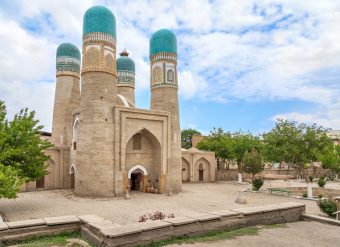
102 224
177 221
26 223
3 226
225 213
152 225
69 219
91 218
114 232
205 217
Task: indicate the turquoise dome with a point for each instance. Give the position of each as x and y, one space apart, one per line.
99 19
68 50
125 63
163 41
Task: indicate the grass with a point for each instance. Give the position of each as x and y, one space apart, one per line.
211 236
57 240
61 239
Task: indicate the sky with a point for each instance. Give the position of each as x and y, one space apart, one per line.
241 64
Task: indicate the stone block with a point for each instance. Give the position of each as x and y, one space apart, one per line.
119 231
225 213
3 226
89 218
69 219
152 225
205 217
102 224
181 220
26 223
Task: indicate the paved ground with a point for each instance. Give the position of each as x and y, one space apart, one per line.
298 234
194 198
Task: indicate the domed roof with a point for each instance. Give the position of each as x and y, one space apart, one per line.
99 19
68 50
163 41
125 63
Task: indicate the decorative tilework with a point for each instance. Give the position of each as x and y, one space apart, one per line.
99 19
67 64
163 41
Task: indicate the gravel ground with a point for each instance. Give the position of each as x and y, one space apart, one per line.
297 234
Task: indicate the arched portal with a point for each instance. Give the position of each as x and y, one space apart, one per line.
202 170
185 171
143 149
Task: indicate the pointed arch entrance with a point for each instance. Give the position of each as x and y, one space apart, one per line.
143 149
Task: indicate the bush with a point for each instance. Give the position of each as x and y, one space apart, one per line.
328 207
310 178
321 182
305 194
257 184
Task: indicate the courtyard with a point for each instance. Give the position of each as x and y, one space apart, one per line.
195 198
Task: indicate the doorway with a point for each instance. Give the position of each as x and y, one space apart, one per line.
40 184
136 181
200 172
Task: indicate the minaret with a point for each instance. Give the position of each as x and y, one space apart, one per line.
94 161
126 76
67 93
164 96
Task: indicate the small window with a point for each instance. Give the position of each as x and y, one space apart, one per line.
74 145
137 141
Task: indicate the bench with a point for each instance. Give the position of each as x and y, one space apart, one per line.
337 213
271 190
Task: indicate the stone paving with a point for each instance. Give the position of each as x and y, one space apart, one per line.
193 199
297 234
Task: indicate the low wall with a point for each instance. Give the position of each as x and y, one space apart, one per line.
101 232
231 174
143 233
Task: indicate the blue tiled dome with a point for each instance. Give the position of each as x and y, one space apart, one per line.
68 50
125 63
99 19
163 41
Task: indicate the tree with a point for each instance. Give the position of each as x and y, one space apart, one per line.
331 159
219 142
22 155
9 182
186 137
252 163
295 144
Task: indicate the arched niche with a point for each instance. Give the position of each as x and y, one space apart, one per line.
202 170
185 170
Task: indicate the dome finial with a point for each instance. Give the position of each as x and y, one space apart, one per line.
124 53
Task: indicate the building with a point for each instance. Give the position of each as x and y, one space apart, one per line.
103 144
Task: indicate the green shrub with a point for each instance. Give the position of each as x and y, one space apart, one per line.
257 184
304 194
310 177
328 207
322 182
320 196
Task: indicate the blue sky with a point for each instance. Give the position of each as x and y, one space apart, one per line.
242 64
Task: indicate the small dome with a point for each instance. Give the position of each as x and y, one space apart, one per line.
99 19
163 41
68 50
125 63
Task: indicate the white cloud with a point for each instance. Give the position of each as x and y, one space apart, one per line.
228 50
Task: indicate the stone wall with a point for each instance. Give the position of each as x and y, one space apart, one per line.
231 174
101 232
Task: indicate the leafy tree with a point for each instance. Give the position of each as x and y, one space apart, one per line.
186 137
295 144
252 163
219 142
242 143
331 159
21 147
9 182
